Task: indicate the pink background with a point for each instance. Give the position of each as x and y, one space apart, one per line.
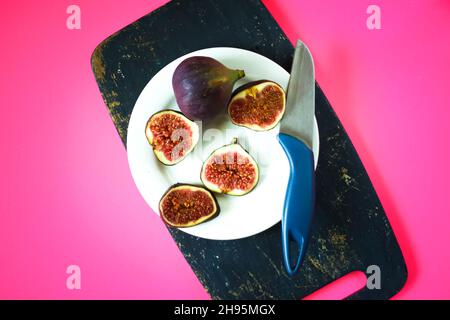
67 196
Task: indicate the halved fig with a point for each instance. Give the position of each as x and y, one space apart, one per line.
171 135
257 105
230 170
185 205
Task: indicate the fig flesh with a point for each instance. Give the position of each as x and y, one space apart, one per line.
257 105
171 135
230 170
185 205
203 86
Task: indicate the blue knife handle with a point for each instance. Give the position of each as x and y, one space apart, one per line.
300 199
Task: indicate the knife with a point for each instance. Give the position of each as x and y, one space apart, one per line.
296 132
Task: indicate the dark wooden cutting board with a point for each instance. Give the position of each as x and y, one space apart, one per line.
350 230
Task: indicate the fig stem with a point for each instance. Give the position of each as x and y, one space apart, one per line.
240 74
234 141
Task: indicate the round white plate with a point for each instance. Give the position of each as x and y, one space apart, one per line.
239 216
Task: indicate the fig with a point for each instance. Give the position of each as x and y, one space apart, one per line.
258 105
171 135
203 86
185 205
230 170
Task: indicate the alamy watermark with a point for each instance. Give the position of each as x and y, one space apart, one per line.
373 273
373 21
73 21
73 281
181 140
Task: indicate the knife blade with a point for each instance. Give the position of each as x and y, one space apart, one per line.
299 118
296 132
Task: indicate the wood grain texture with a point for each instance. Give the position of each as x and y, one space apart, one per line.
350 230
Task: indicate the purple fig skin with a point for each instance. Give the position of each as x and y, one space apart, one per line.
203 87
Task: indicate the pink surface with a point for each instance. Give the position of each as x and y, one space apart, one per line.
67 194
340 288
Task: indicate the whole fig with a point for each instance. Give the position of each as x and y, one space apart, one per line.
203 87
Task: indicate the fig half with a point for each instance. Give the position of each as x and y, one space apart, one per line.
171 135
230 170
185 205
203 87
257 105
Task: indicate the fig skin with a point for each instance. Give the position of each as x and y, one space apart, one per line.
239 149
203 87
149 135
209 217
248 86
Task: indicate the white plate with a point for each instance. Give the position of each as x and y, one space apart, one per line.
240 216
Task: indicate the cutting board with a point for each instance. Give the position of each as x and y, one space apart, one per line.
350 230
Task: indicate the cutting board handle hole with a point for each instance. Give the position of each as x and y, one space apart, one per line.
341 288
